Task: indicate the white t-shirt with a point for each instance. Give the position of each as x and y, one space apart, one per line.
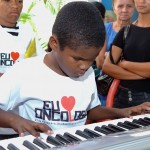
44 96
14 48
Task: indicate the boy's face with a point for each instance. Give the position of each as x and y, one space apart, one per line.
74 63
10 11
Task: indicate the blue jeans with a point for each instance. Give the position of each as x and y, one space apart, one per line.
127 98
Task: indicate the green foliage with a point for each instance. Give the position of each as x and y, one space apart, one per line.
45 1
52 5
32 6
27 16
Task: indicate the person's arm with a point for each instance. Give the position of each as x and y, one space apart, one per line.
140 68
21 125
115 70
101 56
100 113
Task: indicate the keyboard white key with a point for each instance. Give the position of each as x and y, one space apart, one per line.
18 142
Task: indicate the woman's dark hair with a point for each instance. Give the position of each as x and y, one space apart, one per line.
100 7
79 24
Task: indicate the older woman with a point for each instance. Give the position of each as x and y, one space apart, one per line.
124 10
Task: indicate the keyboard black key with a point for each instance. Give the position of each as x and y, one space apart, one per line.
139 122
40 143
125 126
2 148
91 133
12 147
111 129
62 139
52 140
82 134
30 146
118 129
134 125
71 137
144 120
147 118
108 129
99 129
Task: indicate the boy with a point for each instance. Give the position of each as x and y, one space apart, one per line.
17 40
59 87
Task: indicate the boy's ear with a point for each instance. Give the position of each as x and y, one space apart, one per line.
53 43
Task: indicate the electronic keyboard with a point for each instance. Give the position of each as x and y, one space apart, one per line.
119 134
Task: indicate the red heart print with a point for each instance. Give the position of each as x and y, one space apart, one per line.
68 102
14 55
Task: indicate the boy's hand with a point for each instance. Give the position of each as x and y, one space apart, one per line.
22 125
136 110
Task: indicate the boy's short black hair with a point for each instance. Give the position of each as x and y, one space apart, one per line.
100 7
79 24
